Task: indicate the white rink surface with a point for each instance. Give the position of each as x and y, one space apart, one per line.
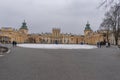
57 46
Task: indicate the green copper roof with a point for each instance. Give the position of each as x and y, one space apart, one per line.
24 26
87 26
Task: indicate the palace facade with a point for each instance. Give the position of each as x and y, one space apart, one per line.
8 34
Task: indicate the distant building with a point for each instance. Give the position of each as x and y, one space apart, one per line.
8 34
112 39
91 37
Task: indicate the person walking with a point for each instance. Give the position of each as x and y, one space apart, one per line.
108 44
100 43
13 43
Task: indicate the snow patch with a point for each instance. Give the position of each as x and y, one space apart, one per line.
57 46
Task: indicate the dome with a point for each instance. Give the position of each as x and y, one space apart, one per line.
24 26
87 26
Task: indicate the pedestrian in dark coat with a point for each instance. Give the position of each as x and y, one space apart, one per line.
108 44
13 43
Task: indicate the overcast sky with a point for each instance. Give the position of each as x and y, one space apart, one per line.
70 16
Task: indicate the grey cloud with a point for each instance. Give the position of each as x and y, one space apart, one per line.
41 16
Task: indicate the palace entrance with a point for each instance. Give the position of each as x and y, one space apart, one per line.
57 41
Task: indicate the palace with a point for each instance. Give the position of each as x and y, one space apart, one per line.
8 34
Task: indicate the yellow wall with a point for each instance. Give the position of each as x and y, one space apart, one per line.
22 36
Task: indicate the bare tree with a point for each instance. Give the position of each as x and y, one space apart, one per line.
112 21
108 3
106 24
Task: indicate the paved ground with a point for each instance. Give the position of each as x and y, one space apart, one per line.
40 64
